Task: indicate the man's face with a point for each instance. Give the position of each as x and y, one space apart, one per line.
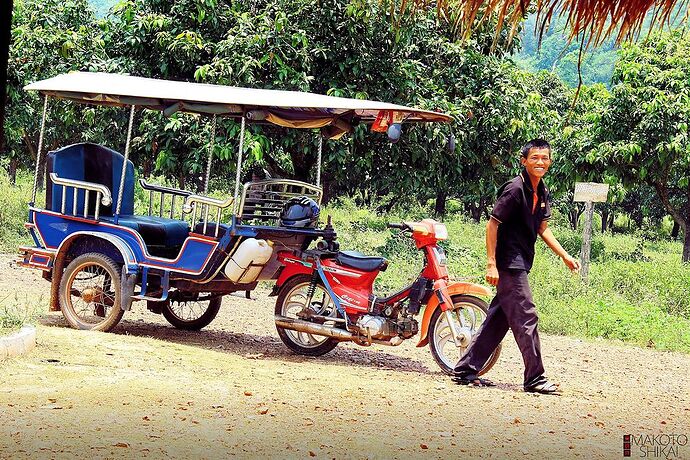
537 162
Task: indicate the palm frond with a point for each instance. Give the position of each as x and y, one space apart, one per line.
592 20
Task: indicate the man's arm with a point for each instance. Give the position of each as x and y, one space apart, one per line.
551 241
491 238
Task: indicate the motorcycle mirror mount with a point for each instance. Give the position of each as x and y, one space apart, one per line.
329 234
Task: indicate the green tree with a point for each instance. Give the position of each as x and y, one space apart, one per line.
644 129
49 37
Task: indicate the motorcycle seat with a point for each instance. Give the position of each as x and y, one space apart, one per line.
359 261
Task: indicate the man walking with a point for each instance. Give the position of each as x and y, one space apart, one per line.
519 215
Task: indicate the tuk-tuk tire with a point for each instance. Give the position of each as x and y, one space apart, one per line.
114 315
196 324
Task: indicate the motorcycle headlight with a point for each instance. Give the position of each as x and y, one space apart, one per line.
441 231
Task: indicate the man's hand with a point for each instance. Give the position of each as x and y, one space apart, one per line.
492 275
572 263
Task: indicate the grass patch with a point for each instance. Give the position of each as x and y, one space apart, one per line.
16 311
639 291
14 210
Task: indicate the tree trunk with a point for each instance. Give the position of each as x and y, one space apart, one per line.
483 207
572 217
182 179
13 170
686 247
302 163
604 219
675 230
639 220
440 207
680 219
476 213
610 225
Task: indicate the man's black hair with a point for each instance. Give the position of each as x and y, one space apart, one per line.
536 143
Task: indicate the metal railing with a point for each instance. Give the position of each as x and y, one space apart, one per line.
164 192
264 200
102 194
192 201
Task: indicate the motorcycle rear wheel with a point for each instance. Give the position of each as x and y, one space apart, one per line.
470 312
292 298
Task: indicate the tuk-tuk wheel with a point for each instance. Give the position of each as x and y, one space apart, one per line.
90 293
191 315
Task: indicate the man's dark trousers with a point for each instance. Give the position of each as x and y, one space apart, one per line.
511 307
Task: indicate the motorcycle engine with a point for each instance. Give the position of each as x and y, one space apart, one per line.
378 327
407 327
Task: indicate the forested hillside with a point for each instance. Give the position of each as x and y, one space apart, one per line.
556 55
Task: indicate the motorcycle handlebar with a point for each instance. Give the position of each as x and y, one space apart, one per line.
398 225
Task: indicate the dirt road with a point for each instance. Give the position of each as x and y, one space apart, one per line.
233 389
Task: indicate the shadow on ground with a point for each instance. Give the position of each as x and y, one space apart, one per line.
257 346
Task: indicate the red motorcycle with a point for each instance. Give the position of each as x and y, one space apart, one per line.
325 296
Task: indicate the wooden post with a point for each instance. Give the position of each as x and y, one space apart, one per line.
586 240
589 193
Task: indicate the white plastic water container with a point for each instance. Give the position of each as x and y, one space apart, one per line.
249 259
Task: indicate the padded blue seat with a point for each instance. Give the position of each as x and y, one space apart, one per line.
101 165
156 231
91 163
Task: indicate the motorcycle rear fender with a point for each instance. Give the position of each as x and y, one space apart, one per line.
452 290
293 266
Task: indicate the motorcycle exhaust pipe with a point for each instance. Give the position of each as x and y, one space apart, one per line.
328 331
313 328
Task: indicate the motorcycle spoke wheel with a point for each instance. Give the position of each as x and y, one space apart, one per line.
292 302
297 303
466 318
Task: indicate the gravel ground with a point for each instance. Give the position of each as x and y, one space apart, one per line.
233 389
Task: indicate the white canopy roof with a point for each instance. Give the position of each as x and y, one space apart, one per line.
285 108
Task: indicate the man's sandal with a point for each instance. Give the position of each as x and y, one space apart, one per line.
473 381
543 387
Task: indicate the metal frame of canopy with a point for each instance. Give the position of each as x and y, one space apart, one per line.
282 108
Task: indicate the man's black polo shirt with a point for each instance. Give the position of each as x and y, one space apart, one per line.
517 233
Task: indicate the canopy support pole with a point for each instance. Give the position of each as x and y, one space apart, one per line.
40 149
239 166
210 154
318 162
124 165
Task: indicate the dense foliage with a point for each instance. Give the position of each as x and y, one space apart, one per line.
352 48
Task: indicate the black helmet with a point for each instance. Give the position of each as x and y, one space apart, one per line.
299 211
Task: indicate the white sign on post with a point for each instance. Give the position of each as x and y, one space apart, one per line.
589 193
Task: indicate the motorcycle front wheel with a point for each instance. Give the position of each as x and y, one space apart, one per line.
467 316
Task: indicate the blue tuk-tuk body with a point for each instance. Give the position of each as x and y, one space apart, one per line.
183 251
